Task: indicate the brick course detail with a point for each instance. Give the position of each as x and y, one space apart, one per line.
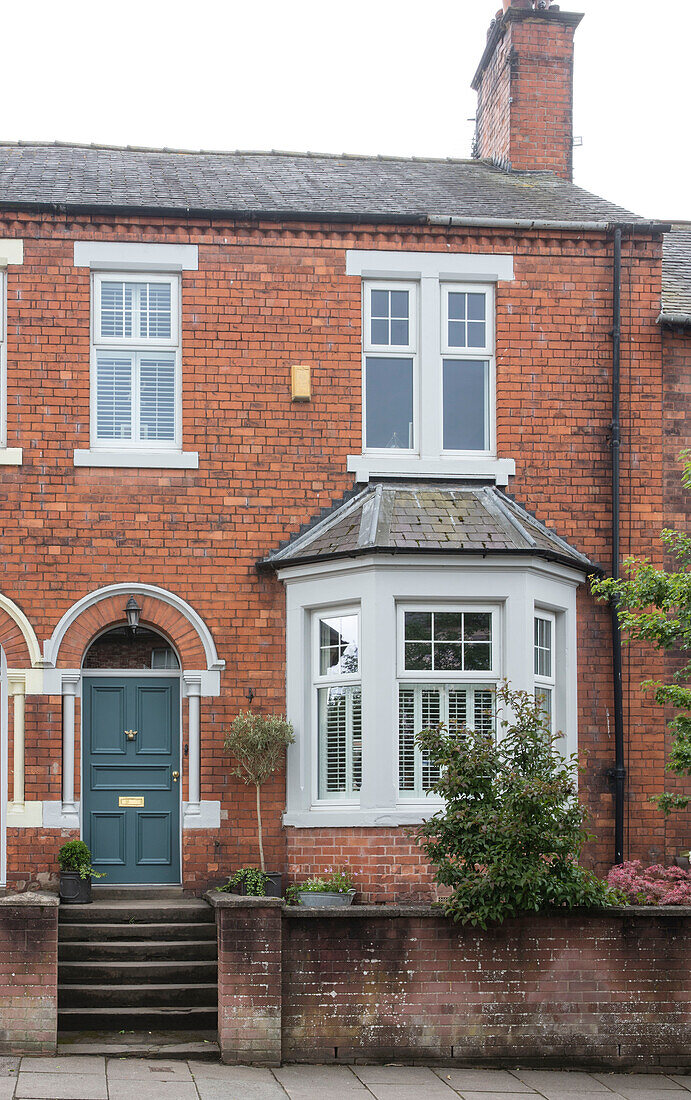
28 974
608 991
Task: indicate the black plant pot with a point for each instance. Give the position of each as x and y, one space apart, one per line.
274 886
73 889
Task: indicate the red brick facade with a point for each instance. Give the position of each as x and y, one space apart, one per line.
28 975
265 297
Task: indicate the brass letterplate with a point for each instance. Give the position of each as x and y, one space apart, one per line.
131 800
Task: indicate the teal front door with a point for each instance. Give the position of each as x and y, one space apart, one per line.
130 778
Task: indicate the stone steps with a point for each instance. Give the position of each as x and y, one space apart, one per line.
139 963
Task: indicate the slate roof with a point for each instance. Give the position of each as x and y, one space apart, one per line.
422 518
279 184
676 276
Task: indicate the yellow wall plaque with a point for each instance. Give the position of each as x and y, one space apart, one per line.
131 800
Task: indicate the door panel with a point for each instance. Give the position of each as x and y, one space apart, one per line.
131 734
153 838
108 705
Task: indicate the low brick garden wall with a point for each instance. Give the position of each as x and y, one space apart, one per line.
28 973
609 990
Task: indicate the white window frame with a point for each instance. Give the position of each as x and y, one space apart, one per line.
391 351
464 354
443 679
490 676
430 272
137 346
319 681
547 683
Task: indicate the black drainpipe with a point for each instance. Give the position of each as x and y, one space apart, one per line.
619 775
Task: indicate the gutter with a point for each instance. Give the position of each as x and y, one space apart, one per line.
268 565
645 228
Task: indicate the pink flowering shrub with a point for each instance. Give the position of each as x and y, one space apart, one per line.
656 885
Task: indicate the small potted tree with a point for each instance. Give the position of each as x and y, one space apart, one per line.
76 873
258 743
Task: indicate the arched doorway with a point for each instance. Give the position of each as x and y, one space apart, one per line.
131 741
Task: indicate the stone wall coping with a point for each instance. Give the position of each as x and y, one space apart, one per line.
392 912
28 899
220 900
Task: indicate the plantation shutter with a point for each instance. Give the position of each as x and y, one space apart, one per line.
340 741
423 706
157 397
114 376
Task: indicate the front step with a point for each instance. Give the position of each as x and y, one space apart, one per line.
140 970
120 1020
201 1045
146 950
144 963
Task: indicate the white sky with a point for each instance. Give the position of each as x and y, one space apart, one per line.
367 76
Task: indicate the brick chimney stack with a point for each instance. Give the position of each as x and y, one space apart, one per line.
525 89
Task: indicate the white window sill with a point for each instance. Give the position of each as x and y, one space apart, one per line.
498 470
139 460
359 819
10 456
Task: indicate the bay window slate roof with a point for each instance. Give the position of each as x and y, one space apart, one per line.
394 518
281 184
676 276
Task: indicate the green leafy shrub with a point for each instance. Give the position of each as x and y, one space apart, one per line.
253 880
75 856
654 605
510 834
258 742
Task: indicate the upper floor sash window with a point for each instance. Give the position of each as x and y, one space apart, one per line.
136 384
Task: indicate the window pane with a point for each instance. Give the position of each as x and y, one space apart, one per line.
476 334
390 316
457 307
155 310
406 739
340 741
116 310
430 716
380 303
380 331
389 403
477 626
544 697
113 398
418 656
338 646
466 405
448 656
418 626
477 656
458 711
157 397
543 647
483 711
447 626
476 307
399 303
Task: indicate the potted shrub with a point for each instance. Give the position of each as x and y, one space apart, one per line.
333 889
76 873
258 743
248 881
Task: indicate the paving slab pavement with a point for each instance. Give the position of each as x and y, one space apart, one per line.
94 1077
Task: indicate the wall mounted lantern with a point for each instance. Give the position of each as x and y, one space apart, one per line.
133 611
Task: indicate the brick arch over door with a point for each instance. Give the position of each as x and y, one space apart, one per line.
17 636
161 610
